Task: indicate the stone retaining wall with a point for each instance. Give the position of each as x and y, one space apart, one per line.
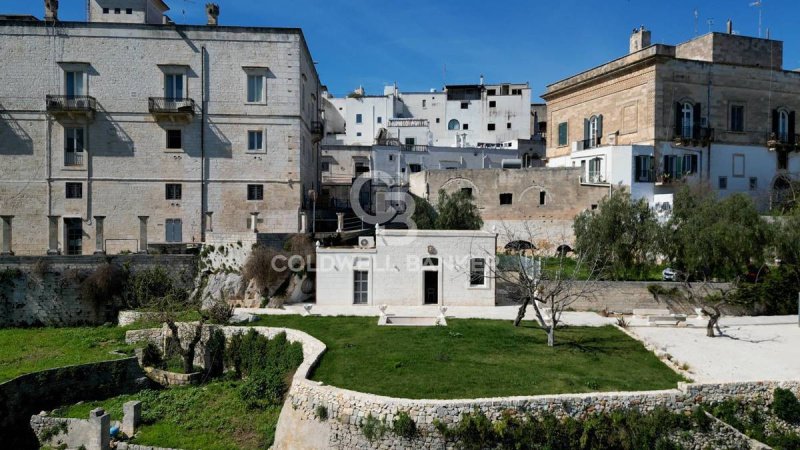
29 394
40 290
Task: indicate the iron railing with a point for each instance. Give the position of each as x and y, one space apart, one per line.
593 178
699 135
70 103
782 140
73 158
165 105
408 122
590 143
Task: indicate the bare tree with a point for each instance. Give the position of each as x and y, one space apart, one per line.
545 276
710 298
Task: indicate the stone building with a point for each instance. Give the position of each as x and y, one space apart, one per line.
129 130
537 205
718 109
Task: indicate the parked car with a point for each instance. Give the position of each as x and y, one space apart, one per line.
669 274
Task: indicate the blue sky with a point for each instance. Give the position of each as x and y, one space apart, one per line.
411 42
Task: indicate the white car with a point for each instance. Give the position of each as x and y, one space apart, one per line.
669 274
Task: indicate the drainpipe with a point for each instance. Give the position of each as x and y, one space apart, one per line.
708 125
203 144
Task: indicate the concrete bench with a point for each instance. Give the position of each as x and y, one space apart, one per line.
672 319
644 313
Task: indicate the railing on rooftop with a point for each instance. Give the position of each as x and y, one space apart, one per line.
408 122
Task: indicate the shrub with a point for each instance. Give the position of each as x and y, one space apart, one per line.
262 389
786 406
40 268
321 412
404 425
105 283
258 268
216 351
252 352
153 288
151 356
373 428
220 312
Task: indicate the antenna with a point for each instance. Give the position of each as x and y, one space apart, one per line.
696 20
758 4
710 22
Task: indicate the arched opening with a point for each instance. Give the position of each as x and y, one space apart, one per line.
783 125
687 120
454 125
563 249
783 198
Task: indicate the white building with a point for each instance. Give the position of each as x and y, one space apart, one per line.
477 115
409 268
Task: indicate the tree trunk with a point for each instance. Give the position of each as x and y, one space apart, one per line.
521 313
712 322
188 355
551 336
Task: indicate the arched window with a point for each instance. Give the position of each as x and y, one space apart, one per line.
687 123
453 125
783 125
593 131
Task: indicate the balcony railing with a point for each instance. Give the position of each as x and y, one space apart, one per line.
590 143
73 158
71 105
783 141
170 106
695 136
317 128
408 122
405 147
593 178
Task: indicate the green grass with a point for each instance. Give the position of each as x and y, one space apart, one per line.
477 358
208 417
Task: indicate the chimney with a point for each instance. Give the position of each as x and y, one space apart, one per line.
482 80
730 26
50 10
212 9
640 38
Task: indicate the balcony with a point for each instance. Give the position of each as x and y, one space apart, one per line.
587 144
404 147
71 107
593 178
408 123
317 129
783 142
172 109
73 159
695 137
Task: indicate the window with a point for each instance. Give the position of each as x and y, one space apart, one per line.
359 118
255 192
465 127
542 198
753 183
358 134
738 166
516 92
415 168
673 166
174 139
506 199
594 132
491 127
453 125
737 118
491 92
74 190
129 11
596 170
75 84
477 269
117 11
464 105
783 126
467 192
360 287
174 191
410 142
255 140
690 165
391 157
380 119
105 10
508 126
430 262
326 166
424 103
173 86
723 183
562 134
255 88
492 104
687 120
644 164
73 147
438 120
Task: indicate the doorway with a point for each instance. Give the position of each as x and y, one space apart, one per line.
174 230
431 287
74 232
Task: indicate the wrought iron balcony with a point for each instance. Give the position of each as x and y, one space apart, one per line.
173 109
590 143
72 159
71 106
695 136
593 178
783 141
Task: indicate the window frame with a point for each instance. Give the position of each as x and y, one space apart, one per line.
734 125
173 191
82 84
783 125
453 125
477 273
175 81
643 169
687 120
76 149
506 199
73 191
253 73
563 140
491 127
360 287
260 140
169 139
255 192
722 183
753 183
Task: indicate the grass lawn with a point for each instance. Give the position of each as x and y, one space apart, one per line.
26 350
208 417
477 358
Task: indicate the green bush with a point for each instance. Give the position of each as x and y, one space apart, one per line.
216 351
322 412
404 425
373 428
153 288
151 356
105 283
786 406
251 352
262 389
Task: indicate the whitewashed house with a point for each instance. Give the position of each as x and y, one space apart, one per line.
409 268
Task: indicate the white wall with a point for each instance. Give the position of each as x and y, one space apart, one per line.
395 275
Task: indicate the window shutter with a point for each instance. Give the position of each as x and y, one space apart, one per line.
792 128
651 160
697 112
585 129
775 122
600 126
678 119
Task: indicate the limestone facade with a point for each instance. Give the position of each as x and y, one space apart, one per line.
88 170
718 109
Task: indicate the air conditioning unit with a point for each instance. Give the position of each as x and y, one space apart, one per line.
366 242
